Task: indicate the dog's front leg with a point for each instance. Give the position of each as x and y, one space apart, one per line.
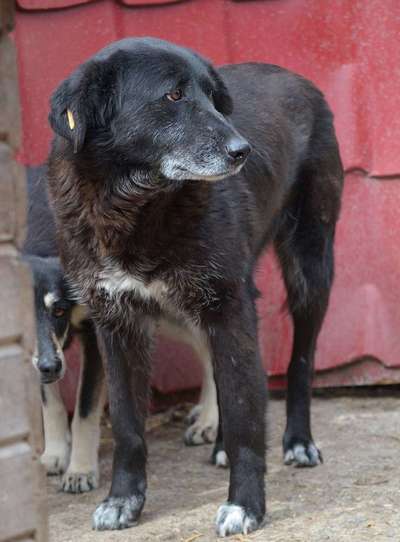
56 431
126 354
241 386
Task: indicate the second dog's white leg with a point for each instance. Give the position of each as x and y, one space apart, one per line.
205 425
56 432
204 416
83 471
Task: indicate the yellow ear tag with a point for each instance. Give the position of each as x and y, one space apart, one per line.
71 121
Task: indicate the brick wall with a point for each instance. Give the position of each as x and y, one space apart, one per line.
22 483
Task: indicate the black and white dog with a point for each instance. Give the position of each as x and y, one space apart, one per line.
58 318
168 179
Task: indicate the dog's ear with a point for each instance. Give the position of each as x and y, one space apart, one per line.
81 102
222 99
68 110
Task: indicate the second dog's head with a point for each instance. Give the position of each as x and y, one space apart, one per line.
148 106
53 308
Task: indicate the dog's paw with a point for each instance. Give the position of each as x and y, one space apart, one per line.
194 414
117 513
233 519
302 453
55 462
200 433
205 424
79 482
219 458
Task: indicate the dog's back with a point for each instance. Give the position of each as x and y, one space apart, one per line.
41 232
289 125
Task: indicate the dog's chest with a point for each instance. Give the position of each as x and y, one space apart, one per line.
115 282
180 293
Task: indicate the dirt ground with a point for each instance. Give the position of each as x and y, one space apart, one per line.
354 496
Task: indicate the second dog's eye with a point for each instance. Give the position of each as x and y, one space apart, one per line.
58 312
175 95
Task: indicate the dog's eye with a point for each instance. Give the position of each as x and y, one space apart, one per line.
58 312
175 95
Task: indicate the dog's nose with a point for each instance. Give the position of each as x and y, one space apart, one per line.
50 369
238 149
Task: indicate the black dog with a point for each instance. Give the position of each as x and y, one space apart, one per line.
146 128
58 318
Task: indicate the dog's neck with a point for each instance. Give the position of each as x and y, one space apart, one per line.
114 209
119 212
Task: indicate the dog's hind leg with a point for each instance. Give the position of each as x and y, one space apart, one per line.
218 456
127 360
203 418
83 472
304 246
56 431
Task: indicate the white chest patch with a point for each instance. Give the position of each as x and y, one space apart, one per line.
116 281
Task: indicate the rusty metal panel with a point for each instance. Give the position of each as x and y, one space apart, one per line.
349 48
60 4
49 4
363 316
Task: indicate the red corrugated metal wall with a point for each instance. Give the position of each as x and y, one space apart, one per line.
350 49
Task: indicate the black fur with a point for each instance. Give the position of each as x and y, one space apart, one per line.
92 371
135 204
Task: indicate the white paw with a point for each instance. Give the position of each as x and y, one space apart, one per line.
194 414
79 482
117 513
55 461
205 427
198 433
303 455
232 519
221 460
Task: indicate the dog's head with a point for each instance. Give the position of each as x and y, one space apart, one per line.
145 105
53 306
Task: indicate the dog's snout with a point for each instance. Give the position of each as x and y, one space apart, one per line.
238 149
50 369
